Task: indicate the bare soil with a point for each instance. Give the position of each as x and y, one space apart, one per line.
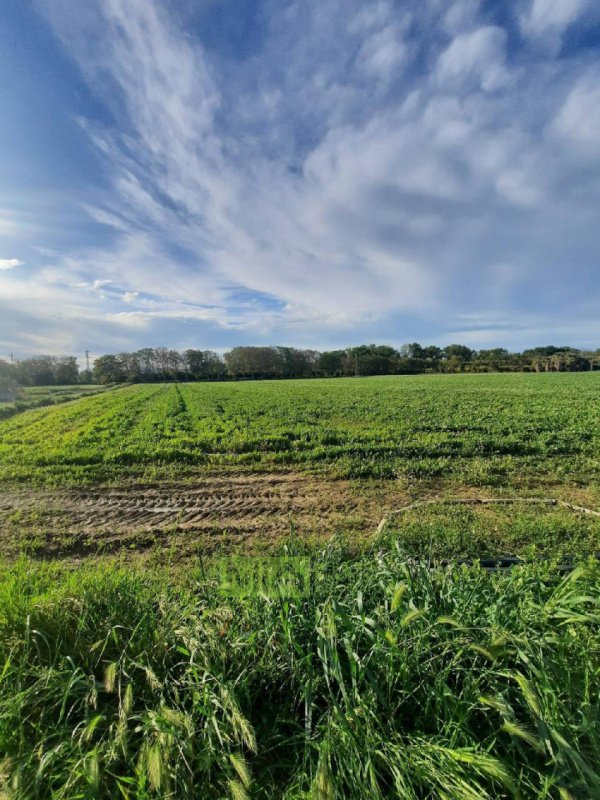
253 511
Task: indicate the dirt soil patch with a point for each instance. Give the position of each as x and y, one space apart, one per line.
224 511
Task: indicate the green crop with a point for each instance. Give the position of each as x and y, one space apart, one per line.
40 396
488 430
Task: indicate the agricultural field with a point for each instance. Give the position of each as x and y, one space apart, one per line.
485 430
211 464
240 590
41 396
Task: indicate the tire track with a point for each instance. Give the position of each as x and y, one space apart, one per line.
227 505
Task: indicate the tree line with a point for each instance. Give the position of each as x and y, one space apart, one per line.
152 364
41 371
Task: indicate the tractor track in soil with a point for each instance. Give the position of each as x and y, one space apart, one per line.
213 511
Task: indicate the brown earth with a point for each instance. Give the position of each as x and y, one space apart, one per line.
223 511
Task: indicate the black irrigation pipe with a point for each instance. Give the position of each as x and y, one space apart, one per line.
491 563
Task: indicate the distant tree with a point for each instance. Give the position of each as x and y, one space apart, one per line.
214 365
164 364
592 358
371 359
108 369
495 360
432 353
253 362
147 366
305 362
6 370
551 358
65 370
295 363
456 356
413 350
194 364
36 371
168 363
459 351
129 367
331 363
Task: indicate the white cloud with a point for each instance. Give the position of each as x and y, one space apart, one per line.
10 263
551 16
476 56
99 284
461 15
577 123
366 161
383 52
130 297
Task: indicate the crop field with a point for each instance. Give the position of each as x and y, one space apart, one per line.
187 465
41 396
231 590
480 430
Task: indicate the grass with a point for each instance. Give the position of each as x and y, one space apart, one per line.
378 680
444 532
480 430
41 396
347 672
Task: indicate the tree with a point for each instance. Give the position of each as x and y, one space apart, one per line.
147 363
331 363
129 367
413 350
108 369
194 364
456 356
35 371
253 362
213 364
66 370
459 351
493 360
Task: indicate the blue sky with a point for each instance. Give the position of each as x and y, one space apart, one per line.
320 173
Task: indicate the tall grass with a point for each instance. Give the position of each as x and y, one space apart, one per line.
381 680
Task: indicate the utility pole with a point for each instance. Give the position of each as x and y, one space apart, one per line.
12 360
87 360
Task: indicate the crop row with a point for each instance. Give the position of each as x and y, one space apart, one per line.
484 428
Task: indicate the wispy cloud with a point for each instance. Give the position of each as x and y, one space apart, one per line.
369 168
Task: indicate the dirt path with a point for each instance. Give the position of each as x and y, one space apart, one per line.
218 511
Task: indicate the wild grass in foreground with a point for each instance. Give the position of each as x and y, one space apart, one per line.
375 679
445 531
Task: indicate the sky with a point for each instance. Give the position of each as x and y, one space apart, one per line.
317 173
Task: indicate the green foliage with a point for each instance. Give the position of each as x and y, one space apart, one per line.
382 681
449 532
40 396
487 430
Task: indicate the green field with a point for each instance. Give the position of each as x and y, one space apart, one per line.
42 396
483 430
195 603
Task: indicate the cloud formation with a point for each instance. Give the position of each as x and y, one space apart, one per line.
358 169
10 263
